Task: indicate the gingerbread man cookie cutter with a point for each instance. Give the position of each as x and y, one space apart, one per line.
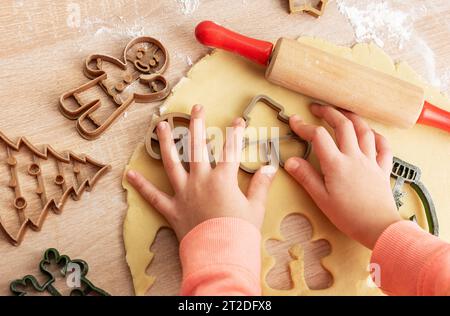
148 59
272 151
298 6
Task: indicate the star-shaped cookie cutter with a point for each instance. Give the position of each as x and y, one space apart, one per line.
299 6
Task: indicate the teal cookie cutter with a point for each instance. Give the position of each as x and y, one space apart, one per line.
404 172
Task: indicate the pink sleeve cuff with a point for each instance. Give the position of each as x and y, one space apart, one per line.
411 261
221 256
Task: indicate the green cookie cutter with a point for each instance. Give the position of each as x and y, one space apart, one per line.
404 172
87 288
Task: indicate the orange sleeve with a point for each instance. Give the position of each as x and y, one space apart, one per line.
412 261
221 256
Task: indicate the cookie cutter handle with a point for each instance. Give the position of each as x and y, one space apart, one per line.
430 210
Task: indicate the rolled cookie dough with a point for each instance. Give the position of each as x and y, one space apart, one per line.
225 84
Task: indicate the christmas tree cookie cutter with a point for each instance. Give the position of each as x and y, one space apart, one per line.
272 151
144 61
33 168
66 267
299 6
404 172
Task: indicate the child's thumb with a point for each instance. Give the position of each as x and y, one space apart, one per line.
260 184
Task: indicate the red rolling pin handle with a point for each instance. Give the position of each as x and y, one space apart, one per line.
210 34
433 116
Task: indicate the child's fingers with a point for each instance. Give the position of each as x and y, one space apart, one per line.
323 144
384 153
343 127
199 158
158 199
232 150
172 164
365 135
308 177
260 184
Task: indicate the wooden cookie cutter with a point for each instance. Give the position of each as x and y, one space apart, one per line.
271 150
146 57
299 6
404 172
34 170
64 263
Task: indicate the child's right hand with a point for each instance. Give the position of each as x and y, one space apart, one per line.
354 191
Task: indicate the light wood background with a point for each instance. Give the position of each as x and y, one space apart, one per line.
42 47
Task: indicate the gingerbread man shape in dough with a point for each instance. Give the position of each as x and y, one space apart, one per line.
136 78
298 255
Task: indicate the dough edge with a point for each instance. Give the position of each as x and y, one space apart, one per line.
138 259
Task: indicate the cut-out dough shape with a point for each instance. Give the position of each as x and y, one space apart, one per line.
169 280
208 83
294 249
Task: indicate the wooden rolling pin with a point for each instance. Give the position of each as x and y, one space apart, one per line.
331 79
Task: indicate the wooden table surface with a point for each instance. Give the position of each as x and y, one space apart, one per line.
42 47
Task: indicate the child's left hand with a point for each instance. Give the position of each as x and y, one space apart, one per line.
205 192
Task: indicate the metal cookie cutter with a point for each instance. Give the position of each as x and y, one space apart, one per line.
404 172
297 6
144 60
69 178
29 285
271 151
179 125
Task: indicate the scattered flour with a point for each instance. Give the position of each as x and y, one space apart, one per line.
442 80
130 32
429 59
102 27
188 6
184 58
445 79
393 22
379 21
162 110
